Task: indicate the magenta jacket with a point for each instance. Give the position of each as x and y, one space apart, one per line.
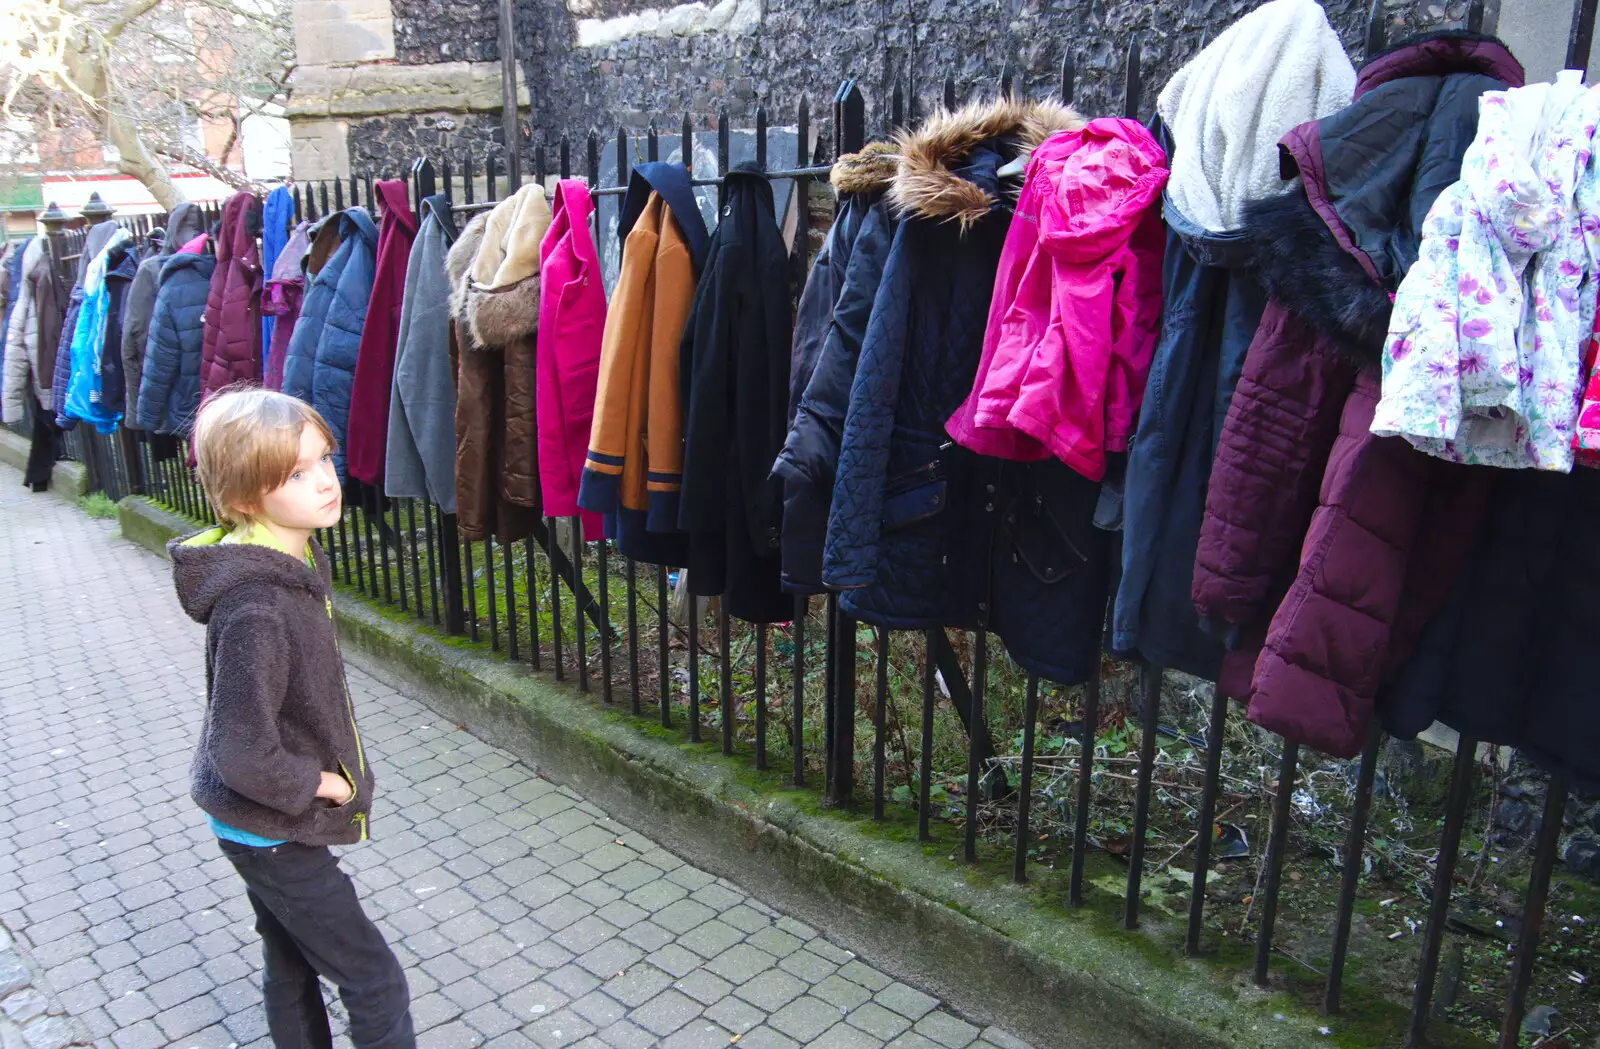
1077 303
572 319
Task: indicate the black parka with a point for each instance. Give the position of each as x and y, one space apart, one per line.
734 360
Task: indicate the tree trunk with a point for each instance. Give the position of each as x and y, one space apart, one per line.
138 160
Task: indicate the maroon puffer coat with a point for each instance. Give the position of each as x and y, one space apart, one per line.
1332 545
230 346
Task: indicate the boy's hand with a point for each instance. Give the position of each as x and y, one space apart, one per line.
335 788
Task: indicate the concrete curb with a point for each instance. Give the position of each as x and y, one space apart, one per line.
998 953
68 480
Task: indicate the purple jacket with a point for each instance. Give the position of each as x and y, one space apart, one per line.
1310 541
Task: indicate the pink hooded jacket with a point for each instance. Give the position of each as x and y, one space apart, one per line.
1077 303
572 319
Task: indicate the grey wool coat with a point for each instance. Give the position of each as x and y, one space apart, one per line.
185 223
421 457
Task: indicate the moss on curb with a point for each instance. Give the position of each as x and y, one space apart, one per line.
997 952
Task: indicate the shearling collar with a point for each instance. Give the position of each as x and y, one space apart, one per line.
929 183
869 171
457 265
510 249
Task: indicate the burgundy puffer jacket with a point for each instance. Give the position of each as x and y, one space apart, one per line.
230 347
1333 546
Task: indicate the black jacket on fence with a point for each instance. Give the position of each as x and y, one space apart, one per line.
121 269
833 313
734 360
1511 657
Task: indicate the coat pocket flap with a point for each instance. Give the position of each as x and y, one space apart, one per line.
917 503
1039 541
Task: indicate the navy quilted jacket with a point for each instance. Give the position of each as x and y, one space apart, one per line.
320 365
169 386
923 533
833 314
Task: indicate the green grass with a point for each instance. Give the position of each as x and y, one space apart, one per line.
98 504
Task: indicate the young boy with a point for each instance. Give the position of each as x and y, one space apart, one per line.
279 769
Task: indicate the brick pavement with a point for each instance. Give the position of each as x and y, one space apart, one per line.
524 915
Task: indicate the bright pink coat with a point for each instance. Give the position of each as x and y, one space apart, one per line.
572 319
1077 303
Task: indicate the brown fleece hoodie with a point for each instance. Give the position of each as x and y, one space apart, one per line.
278 711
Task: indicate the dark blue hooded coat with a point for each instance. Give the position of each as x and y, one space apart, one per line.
922 532
169 387
320 365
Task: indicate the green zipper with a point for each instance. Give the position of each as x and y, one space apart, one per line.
360 818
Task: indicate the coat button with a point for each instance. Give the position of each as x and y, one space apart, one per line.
989 488
989 507
983 606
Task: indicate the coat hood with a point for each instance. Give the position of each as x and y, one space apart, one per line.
122 262
290 265
1447 52
198 261
870 171
1333 248
438 206
1099 182
1274 69
185 223
241 224
948 168
94 242
204 569
356 221
457 269
503 287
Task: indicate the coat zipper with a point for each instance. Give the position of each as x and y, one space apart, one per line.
360 818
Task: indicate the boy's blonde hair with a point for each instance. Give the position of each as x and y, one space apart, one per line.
247 443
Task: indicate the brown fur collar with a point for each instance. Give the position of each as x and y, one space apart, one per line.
869 171
925 184
458 268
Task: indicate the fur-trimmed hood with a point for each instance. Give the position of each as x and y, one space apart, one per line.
502 291
936 177
870 171
458 268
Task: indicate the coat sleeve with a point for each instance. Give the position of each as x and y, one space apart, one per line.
1135 331
1318 675
136 313
851 553
403 475
707 433
600 488
519 477
250 662
1270 459
18 376
765 340
160 367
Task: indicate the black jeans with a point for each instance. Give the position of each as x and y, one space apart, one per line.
312 924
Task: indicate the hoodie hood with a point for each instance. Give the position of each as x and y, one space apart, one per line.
1096 185
184 224
122 261
870 171
438 206
1276 68
949 168
94 242
356 221
204 568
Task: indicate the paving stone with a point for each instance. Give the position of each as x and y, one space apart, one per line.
808 966
698 1035
638 985
772 990
48 1032
865 975
766 1038
907 1001
841 992
736 1015
947 1030
599 1008
805 1018
704 987
455 1035
740 962
559 1029
843 1036
666 1012
882 1023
